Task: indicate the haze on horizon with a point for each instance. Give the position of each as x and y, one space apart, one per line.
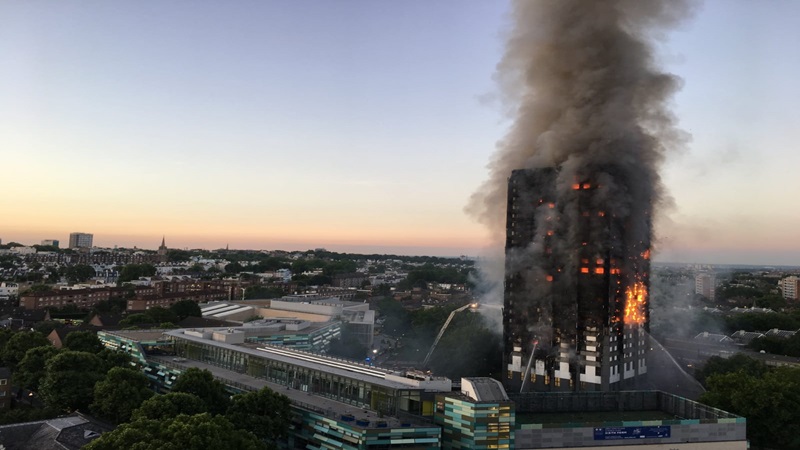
354 126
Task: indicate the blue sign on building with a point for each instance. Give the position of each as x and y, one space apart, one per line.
610 433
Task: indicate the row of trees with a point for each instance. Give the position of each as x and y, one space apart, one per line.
198 413
768 397
421 276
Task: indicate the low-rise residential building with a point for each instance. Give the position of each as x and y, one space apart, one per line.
8 290
145 302
80 298
349 280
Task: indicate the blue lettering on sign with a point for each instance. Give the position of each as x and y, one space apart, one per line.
610 433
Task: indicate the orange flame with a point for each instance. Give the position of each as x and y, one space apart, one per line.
635 301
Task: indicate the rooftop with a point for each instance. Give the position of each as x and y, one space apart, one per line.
342 367
305 400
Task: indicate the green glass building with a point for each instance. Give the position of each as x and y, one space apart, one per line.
480 417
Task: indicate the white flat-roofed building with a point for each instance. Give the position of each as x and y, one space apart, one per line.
789 287
705 285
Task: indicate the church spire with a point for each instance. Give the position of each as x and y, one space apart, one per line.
162 250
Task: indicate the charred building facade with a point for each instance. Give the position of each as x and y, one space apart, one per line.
575 314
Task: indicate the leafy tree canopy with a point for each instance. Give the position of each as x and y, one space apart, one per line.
202 384
19 343
31 369
170 405
132 272
197 432
77 273
264 413
771 404
83 341
717 365
186 308
69 382
122 391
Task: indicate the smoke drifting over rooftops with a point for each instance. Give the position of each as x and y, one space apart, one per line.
586 94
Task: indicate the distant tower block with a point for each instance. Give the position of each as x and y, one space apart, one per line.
575 310
80 240
705 285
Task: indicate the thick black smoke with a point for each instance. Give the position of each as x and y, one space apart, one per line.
586 95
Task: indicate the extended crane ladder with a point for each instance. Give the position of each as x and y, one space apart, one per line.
441 332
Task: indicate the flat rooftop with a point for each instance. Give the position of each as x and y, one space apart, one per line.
325 406
341 367
142 336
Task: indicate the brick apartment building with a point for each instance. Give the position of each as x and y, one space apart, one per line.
81 298
144 302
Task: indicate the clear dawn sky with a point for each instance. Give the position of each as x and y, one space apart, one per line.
357 126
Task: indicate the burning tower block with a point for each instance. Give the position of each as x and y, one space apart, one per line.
576 313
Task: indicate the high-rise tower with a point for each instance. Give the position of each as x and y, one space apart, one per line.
80 240
575 306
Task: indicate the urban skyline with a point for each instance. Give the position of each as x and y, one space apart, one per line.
353 127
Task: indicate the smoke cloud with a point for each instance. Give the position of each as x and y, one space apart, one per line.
583 87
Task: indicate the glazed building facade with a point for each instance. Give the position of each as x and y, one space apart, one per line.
575 313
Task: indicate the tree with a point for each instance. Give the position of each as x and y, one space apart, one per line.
135 319
5 336
158 314
78 273
264 413
31 369
122 391
202 384
197 432
22 341
263 292
46 327
717 365
169 405
770 403
175 255
69 382
83 341
186 308
114 358
233 267
39 288
132 272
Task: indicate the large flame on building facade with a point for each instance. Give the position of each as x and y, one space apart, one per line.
635 303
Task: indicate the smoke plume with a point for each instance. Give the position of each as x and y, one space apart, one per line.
582 84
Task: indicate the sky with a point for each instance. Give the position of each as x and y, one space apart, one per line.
356 126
